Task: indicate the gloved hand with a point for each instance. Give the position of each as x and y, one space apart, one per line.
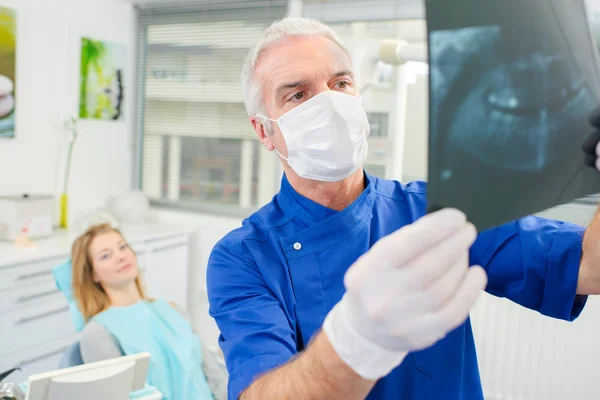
411 289
591 146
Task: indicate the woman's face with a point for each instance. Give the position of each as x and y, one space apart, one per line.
114 262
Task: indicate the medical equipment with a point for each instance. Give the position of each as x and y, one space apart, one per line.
63 278
113 379
386 72
71 356
10 390
396 52
96 217
3 375
26 214
132 206
412 289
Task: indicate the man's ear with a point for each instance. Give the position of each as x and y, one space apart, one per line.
259 128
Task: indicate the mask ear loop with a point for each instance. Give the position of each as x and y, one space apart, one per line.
279 154
272 120
267 118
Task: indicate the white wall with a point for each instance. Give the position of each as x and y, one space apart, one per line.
47 84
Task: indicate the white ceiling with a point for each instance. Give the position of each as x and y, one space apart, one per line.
144 1
593 5
166 1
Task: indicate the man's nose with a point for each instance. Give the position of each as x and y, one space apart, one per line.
322 88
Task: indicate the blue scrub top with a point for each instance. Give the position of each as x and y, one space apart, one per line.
272 282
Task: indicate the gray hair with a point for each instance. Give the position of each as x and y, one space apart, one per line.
278 30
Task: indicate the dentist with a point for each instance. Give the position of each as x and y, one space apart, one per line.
342 287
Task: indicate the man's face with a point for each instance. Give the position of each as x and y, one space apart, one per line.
292 71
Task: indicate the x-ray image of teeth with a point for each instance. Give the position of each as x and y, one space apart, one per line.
512 86
515 110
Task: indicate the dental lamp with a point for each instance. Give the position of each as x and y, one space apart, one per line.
398 52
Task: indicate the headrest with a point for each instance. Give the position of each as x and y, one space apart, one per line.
63 276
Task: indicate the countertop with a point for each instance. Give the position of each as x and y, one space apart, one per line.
59 244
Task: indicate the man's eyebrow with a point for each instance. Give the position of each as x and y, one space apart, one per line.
343 73
291 85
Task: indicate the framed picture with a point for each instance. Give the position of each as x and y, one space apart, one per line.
101 80
8 42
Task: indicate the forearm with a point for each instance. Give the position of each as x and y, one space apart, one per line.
589 269
318 373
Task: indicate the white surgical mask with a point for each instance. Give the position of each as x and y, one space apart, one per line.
326 136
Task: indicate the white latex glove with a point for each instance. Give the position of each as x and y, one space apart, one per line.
411 289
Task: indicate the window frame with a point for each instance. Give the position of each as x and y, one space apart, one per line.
146 16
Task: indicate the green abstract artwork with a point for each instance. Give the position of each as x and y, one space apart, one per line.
8 41
102 72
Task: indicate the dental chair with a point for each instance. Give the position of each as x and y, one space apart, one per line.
71 357
62 277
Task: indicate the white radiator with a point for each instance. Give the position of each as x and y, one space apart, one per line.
526 356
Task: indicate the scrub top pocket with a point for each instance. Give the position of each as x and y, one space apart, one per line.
444 356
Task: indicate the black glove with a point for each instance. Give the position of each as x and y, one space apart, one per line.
590 144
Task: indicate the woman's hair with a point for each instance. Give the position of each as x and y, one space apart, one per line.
90 296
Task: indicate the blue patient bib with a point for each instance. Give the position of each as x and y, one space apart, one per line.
176 352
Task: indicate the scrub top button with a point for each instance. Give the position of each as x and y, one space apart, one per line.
297 246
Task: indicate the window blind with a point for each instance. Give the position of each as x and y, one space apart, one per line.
371 10
195 146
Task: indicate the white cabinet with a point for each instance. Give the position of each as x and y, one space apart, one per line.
36 359
166 270
30 326
23 274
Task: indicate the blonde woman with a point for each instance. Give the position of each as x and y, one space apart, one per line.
121 319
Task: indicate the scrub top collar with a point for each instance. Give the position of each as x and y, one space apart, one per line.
324 226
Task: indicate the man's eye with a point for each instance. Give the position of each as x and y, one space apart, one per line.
343 84
298 96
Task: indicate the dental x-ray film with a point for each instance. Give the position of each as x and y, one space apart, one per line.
513 84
